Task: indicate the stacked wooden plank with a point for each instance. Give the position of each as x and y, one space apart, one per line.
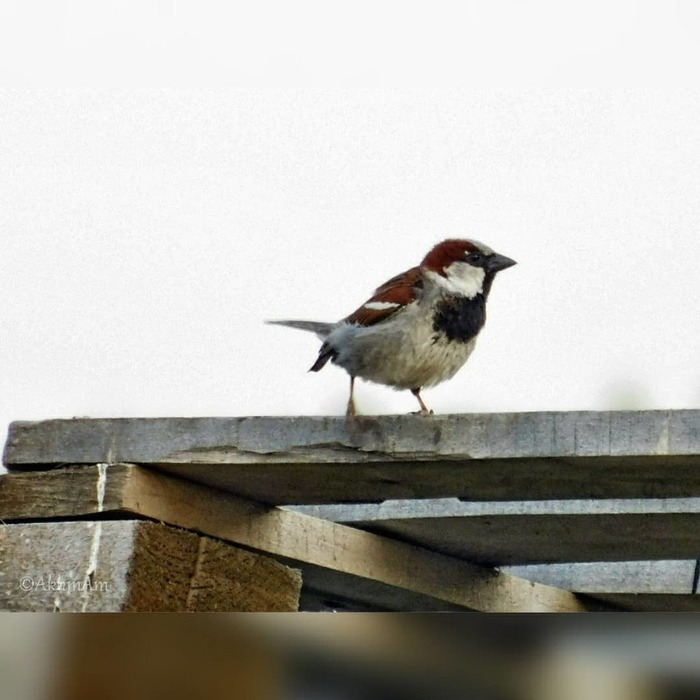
352 504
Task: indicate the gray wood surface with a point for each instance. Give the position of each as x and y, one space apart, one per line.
497 541
285 460
533 532
663 576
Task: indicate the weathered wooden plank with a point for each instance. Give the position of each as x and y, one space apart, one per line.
335 558
455 508
472 436
657 577
533 539
60 492
533 532
135 566
518 456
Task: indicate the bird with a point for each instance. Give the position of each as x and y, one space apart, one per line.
418 328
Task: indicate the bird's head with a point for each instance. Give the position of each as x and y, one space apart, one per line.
464 267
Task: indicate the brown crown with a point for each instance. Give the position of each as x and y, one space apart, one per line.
447 252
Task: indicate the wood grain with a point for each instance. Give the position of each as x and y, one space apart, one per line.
533 532
297 460
135 565
334 558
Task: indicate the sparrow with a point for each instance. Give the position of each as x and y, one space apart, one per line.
420 327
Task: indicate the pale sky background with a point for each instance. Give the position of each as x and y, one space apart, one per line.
148 233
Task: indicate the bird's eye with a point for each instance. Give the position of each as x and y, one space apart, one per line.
474 257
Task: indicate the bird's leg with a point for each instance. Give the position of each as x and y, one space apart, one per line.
351 402
424 410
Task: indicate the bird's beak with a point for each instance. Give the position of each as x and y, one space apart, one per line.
497 262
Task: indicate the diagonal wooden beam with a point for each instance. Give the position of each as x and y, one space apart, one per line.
335 558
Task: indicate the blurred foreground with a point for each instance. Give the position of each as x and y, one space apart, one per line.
348 657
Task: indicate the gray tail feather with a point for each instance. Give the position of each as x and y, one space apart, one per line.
320 329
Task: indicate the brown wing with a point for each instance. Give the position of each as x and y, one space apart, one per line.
391 297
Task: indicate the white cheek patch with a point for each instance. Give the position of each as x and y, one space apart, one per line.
381 305
461 278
